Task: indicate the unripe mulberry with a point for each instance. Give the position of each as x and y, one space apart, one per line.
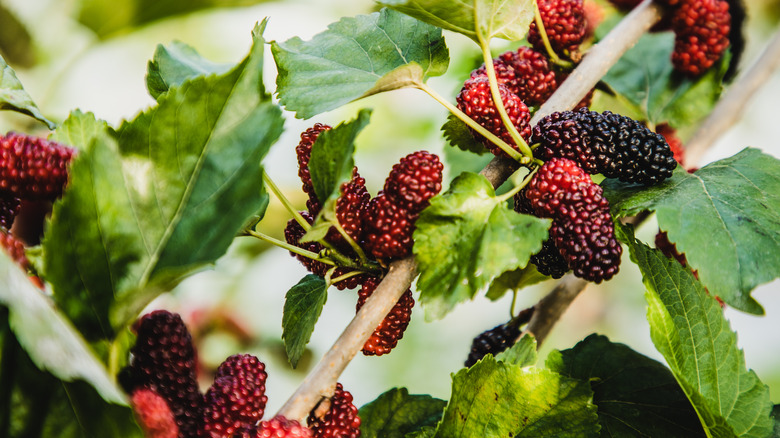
33 168
476 102
564 23
674 142
341 420
164 361
535 81
582 226
492 341
388 229
303 151
701 29
9 208
277 427
153 414
414 181
237 397
391 329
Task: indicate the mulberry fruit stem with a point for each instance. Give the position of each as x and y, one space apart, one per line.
288 247
286 202
345 276
508 195
471 123
491 73
547 46
355 247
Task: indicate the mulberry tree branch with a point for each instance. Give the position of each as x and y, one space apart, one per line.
321 381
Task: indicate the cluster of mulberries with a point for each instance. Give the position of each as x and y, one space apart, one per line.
162 382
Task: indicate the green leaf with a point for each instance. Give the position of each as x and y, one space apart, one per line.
515 281
173 65
79 129
51 341
396 413
302 308
188 167
646 79
500 399
466 238
688 328
776 418
522 354
635 395
473 18
457 134
357 57
14 98
724 218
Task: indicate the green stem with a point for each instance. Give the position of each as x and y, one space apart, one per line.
499 103
288 247
355 247
346 276
471 123
506 196
287 205
512 308
546 41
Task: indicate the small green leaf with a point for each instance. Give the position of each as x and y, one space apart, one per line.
458 134
48 337
466 238
688 328
173 65
635 395
646 79
522 354
723 217
79 129
514 281
500 399
473 18
396 413
356 57
302 308
331 160
14 98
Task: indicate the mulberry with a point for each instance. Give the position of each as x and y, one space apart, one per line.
414 181
164 361
674 142
548 260
391 329
237 397
389 228
564 23
535 81
9 208
492 341
303 151
277 427
582 226
15 249
153 414
293 233
476 102
561 135
341 420
505 74
701 29
33 168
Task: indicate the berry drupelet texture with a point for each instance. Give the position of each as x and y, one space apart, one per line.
476 102
391 329
277 427
505 74
153 414
388 229
492 341
701 29
535 81
582 226
564 23
9 208
293 233
351 206
341 420
237 397
32 167
164 361
561 135
548 260
674 142
15 249
303 151
414 181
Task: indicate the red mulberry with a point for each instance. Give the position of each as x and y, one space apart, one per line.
303 151
564 23
33 168
391 329
505 74
674 142
414 181
277 427
701 30
153 414
535 81
341 420
293 233
389 229
237 397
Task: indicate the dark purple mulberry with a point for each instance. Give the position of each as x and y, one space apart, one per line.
32 167
341 420
391 329
492 341
548 260
10 206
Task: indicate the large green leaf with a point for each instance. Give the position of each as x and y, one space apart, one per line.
79 129
474 18
302 308
514 281
466 238
688 328
397 413
724 218
173 65
14 98
646 79
499 399
50 340
635 395
522 353
164 196
357 57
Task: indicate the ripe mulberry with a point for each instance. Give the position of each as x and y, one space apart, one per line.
414 181
341 420
505 74
582 226
9 208
164 361
492 341
548 260
277 427
535 81
237 397
561 135
293 233
153 414
33 168
388 229
476 102
303 151
351 206
701 29
391 329
564 23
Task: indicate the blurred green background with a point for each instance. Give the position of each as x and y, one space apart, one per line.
92 55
